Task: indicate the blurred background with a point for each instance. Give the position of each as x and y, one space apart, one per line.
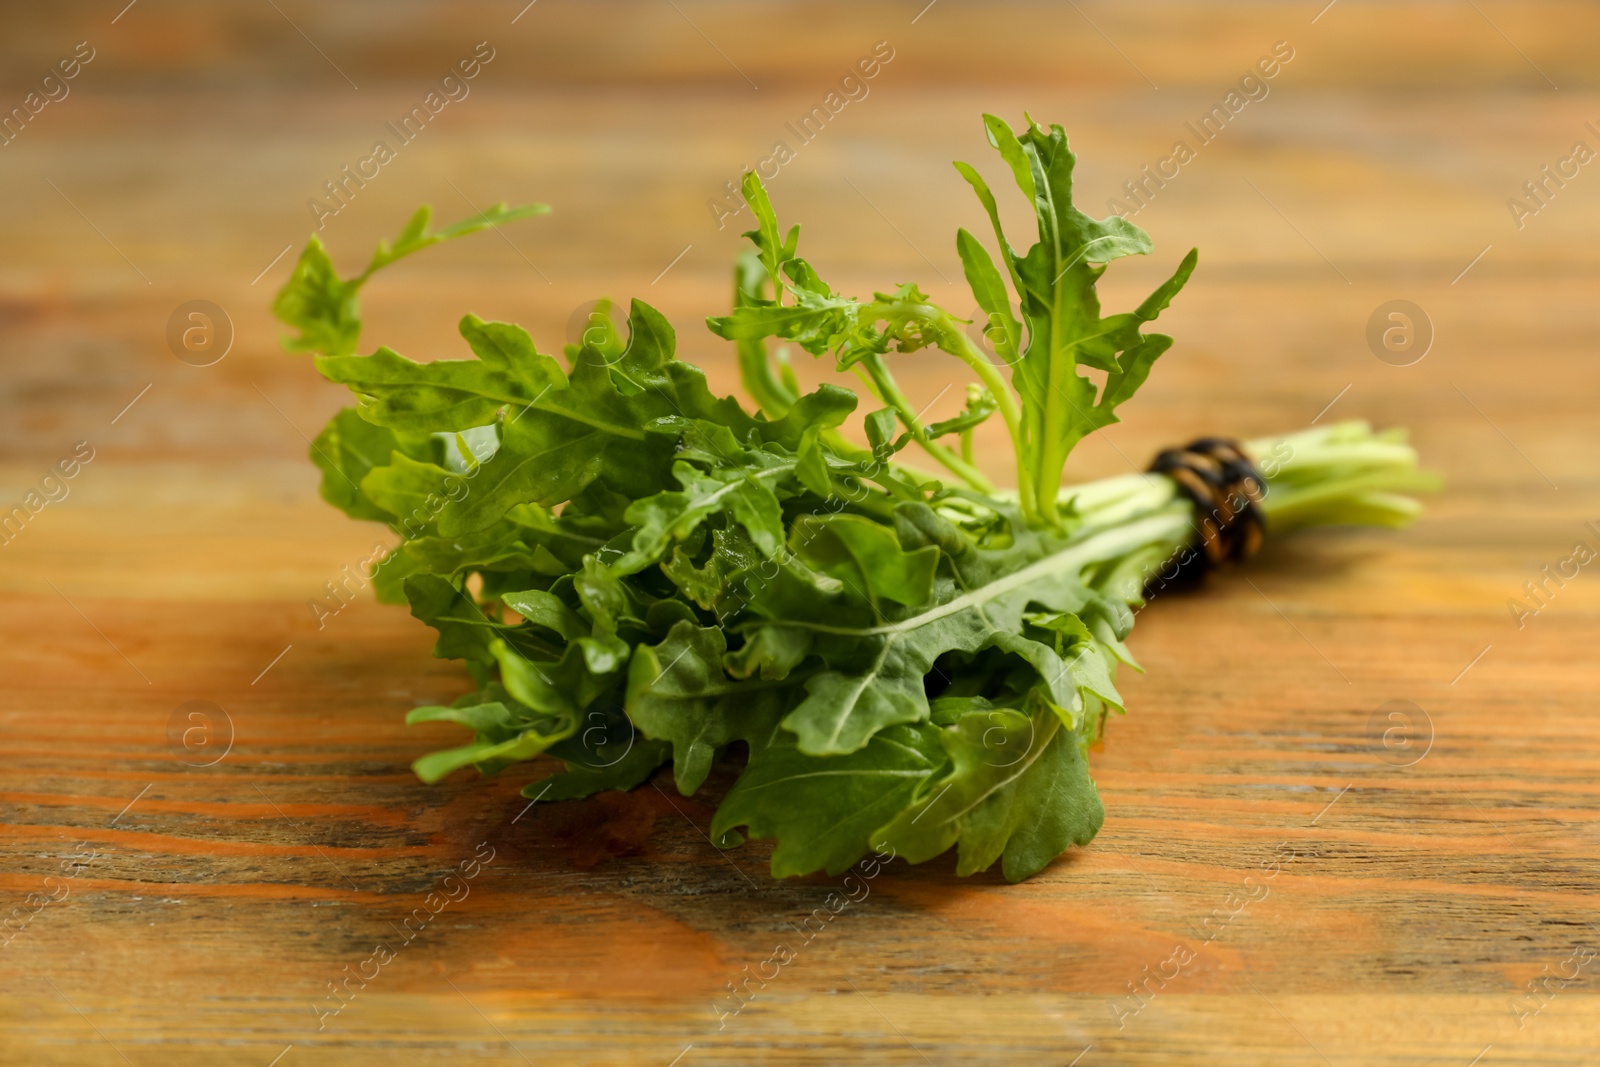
1377 166
1433 153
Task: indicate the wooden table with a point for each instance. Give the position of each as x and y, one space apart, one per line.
1408 906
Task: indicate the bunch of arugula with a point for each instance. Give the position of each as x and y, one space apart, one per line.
638 572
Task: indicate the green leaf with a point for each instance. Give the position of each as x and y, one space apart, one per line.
413 493
563 688
1086 656
980 405
608 601
823 409
600 334
506 546
771 652
607 752
811 467
453 394
505 732
745 495
464 631
318 303
866 556
881 426
1018 787
612 423
678 692
717 585
1055 282
603 652
543 608
542 461
986 198
1023 167
774 251
772 394
388 581
874 663
823 811
416 235
323 307
1002 327
346 450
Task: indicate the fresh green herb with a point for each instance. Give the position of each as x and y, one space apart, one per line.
1060 329
637 572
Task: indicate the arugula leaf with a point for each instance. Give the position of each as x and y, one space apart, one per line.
1018 787
823 811
346 450
773 393
980 405
323 306
821 321
410 491
876 654
607 753
1055 283
320 304
513 548
465 632
450 394
746 496
717 584
867 558
678 692
505 732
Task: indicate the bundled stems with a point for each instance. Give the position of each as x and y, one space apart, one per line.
1341 474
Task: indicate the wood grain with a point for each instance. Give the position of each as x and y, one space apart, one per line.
1339 907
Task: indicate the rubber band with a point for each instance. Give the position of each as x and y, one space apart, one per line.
1226 488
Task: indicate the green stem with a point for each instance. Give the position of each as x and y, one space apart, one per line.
1049 468
845 448
1006 401
954 341
891 394
750 284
